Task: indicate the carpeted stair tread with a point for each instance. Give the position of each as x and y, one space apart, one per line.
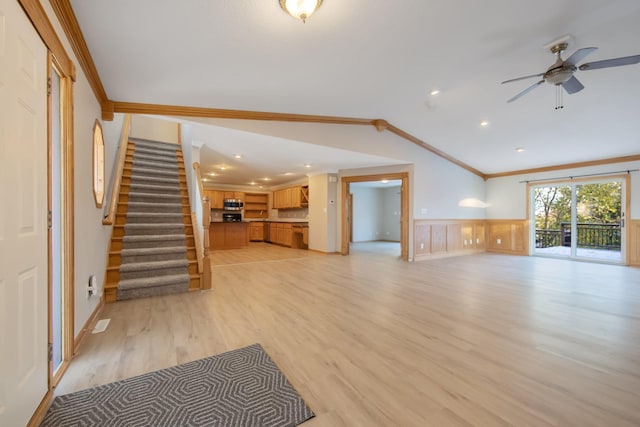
146 282
155 218
152 187
154 164
152 226
153 251
141 142
153 265
153 237
142 195
156 180
156 205
154 172
170 159
153 152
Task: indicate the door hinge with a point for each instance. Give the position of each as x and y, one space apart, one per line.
49 86
50 352
49 220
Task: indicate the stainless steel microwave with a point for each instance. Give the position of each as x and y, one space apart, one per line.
233 204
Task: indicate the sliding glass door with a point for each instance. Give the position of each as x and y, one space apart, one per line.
582 220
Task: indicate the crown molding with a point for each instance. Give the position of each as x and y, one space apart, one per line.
600 162
70 25
45 29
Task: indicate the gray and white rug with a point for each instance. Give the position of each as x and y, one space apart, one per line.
239 388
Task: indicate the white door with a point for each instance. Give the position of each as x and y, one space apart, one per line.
23 217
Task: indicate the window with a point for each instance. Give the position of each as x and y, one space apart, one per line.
98 164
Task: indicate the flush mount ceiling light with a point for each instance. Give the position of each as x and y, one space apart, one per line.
300 9
484 123
238 156
384 181
434 92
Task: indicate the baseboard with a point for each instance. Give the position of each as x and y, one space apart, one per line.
83 332
425 257
41 410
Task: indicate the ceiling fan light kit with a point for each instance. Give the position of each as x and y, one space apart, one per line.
561 73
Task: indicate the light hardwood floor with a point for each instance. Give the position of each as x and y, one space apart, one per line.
368 340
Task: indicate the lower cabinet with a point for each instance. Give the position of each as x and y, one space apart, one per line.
280 233
256 231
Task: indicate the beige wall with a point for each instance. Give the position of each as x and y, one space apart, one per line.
154 129
323 214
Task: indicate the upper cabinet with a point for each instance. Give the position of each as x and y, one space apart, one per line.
291 198
238 195
216 198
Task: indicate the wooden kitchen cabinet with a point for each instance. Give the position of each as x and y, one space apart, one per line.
216 198
256 231
238 195
291 198
228 235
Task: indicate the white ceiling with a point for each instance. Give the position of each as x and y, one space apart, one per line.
381 59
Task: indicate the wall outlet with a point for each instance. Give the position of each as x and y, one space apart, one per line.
423 211
499 241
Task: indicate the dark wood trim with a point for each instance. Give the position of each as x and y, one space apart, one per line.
219 113
404 208
622 159
421 143
70 25
47 33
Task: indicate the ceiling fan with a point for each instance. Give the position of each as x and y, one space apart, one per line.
561 72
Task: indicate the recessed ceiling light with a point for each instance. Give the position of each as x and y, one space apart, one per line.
212 174
484 123
519 149
252 183
434 92
287 173
384 181
260 186
266 178
237 156
223 168
205 179
307 165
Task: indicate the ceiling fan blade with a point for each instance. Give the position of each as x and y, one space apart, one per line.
579 55
572 85
527 90
523 78
615 62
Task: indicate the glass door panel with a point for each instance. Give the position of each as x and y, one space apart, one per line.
599 217
552 208
580 220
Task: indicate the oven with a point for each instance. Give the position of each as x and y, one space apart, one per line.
231 217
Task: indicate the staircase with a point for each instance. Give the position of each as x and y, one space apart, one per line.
152 248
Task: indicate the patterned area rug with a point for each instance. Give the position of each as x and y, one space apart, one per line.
238 388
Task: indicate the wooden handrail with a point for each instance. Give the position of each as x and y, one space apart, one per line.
196 167
196 236
109 218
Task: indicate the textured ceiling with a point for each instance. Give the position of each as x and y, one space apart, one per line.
381 59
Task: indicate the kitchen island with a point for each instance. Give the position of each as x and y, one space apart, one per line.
228 235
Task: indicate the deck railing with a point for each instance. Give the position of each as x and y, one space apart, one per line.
589 235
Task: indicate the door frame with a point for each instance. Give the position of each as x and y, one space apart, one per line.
66 219
404 208
626 209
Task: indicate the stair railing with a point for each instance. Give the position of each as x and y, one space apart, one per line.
116 175
202 252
